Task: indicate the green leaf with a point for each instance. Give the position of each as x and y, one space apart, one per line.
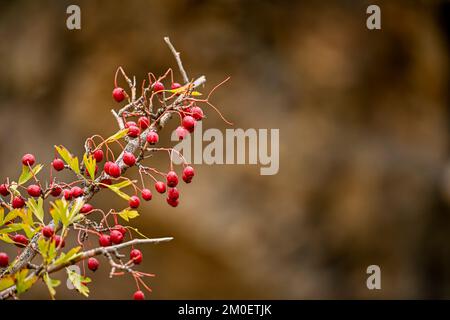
76 207
47 248
51 285
128 214
13 227
116 189
89 163
23 283
117 136
68 158
4 237
65 257
60 211
6 282
29 231
10 216
2 215
37 207
27 174
78 282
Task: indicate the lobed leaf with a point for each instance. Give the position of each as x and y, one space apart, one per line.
128 214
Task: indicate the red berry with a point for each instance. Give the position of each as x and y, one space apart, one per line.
48 231
146 194
106 166
172 179
76 192
34 190
56 191
58 164
93 264
188 171
187 179
116 236
118 94
4 189
175 86
160 187
197 113
134 202
188 123
4 260
28 160
114 170
173 202
104 240
143 123
158 86
86 208
136 256
133 131
120 228
18 202
130 124
152 137
181 132
59 241
129 159
138 295
173 194
98 155
20 240
67 194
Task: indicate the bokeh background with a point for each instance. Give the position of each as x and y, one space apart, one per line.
364 138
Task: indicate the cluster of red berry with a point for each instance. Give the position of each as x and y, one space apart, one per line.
139 124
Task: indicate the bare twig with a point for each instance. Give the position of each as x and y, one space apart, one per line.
178 59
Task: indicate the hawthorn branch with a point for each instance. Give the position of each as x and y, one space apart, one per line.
132 146
41 270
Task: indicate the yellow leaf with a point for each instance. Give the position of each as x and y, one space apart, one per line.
27 174
68 158
128 214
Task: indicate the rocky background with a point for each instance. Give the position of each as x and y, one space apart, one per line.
364 138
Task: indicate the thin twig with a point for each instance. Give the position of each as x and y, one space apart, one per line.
176 54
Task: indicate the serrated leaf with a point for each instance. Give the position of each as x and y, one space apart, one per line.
37 207
78 282
11 215
121 194
89 163
27 174
64 257
117 136
128 214
51 285
71 160
6 282
23 283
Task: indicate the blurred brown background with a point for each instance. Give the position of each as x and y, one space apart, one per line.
364 136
